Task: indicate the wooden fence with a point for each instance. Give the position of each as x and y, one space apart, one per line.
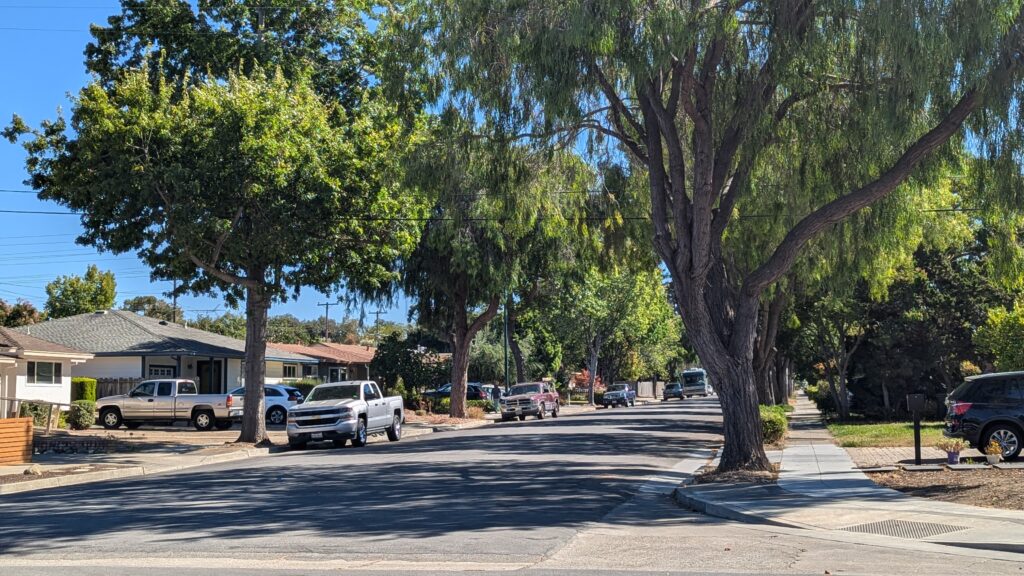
115 386
15 440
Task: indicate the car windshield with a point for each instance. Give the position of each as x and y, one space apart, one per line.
342 392
673 385
526 389
619 388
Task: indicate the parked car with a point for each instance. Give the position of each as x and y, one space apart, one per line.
695 383
171 400
619 394
474 391
343 411
672 390
986 408
530 399
277 399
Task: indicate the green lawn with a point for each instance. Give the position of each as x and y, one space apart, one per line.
888 434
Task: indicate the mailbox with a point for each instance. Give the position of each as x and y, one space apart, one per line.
915 403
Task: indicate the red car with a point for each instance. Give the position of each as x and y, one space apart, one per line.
530 399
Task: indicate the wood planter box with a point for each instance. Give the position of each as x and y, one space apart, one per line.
15 440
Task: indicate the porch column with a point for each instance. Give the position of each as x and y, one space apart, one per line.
177 369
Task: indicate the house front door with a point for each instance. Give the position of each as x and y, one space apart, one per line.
336 375
210 375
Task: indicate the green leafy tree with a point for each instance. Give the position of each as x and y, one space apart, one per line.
400 360
843 104
1002 335
492 201
71 295
153 307
252 187
227 324
21 313
287 329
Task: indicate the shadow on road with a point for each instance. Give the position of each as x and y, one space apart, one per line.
526 475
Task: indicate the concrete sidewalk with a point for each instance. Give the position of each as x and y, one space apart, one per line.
820 488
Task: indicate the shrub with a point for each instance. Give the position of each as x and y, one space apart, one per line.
82 414
83 389
305 385
773 423
441 405
821 396
38 413
485 405
475 412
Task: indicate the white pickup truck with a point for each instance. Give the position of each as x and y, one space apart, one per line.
168 400
343 411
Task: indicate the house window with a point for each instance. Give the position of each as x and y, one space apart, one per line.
309 370
289 371
44 372
157 371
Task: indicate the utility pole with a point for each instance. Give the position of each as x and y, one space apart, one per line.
376 327
174 302
505 317
327 318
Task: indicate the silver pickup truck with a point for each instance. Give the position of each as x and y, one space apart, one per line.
343 411
168 400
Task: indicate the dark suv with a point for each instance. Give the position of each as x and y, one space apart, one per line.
988 407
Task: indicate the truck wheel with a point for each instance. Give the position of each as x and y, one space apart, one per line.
522 417
132 425
277 415
632 402
395 432
506 418
360 438
203 421
554 413
111 418
223 424
540 413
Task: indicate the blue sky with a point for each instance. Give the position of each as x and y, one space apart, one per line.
41 62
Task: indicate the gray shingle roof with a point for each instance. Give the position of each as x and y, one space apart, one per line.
25 343
123 333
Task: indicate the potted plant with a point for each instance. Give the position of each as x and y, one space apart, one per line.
994 452
952 448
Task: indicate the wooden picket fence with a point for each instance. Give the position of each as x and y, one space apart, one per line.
15 440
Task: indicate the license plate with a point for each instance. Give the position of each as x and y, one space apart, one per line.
317 436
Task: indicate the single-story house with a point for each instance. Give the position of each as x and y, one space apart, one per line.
127 346
337 362
35 369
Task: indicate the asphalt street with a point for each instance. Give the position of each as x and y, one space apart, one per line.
586 494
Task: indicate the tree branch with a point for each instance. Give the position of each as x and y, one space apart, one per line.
221 274
835 211
486 316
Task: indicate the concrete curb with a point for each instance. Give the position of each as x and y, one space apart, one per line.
729 512
127 472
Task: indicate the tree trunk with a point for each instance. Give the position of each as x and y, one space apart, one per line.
460 369
462 334
513 342
595 346
254 427
741 419
781 379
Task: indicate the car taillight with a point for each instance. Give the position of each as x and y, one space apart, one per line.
960 408
231 400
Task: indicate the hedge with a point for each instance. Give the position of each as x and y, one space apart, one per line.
822 397
444 405
82 415
773 423
83 389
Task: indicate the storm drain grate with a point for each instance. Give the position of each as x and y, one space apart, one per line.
904 529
